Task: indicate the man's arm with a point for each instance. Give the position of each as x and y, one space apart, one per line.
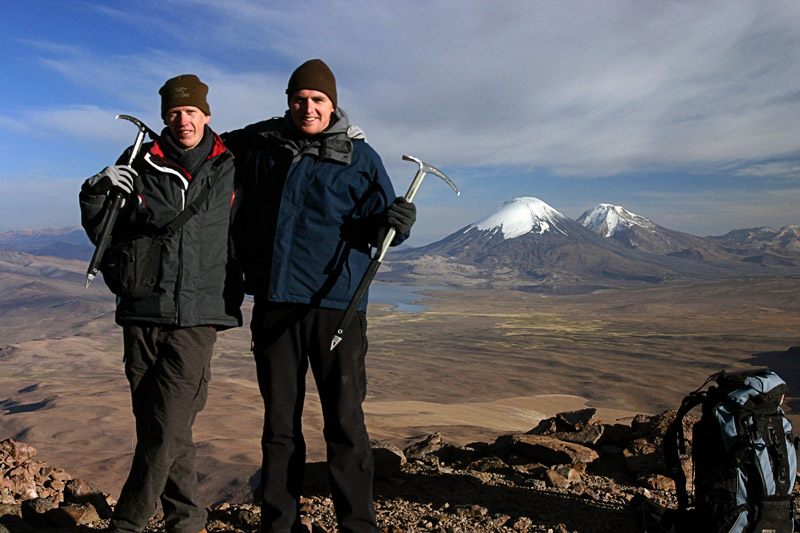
389 211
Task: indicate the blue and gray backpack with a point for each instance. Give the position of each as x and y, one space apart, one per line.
744 456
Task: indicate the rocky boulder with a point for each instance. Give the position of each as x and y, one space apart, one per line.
572 473
36 494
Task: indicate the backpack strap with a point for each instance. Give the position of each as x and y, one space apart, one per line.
675 442
193 208
675 445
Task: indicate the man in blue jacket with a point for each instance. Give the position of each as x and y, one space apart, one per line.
315 201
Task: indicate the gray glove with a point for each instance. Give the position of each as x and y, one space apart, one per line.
113 177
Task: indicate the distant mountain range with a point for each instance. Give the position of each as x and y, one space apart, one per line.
634 231
45 297
67 243
526 244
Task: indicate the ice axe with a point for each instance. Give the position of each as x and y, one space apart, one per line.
116 203
372 269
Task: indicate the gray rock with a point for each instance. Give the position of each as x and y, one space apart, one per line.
10 509
389 459
17 451
554 479
472 511
456 456
431 444
615 435
72 515
545 427
550 451
33 511
572 473
575 420
77 488
490 464
586 436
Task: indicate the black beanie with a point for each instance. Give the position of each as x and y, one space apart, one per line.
313 74
186 89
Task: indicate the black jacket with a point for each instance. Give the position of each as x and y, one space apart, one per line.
199 283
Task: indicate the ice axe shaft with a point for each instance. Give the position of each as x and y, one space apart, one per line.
372 269
116 204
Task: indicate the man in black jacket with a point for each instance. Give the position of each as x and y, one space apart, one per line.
169 334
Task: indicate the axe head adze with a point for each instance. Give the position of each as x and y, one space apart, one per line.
141 125
137 145
425 168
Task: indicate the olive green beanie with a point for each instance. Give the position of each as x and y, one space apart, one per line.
183 90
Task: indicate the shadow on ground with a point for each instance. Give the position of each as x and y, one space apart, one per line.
463 493
787 365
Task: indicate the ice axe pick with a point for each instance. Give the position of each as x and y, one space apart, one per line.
372 269
116 203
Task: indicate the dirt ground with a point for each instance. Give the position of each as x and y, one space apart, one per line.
475 365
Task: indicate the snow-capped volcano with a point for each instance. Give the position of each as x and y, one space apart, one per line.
616 223
607 219
521 216
527 245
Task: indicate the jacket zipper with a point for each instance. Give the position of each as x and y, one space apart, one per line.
184 185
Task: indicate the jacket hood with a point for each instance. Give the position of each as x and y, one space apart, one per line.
333 144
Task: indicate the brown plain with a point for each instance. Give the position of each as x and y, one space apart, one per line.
475 365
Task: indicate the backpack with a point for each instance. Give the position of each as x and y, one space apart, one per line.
744 457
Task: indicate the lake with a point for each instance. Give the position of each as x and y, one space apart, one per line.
401 297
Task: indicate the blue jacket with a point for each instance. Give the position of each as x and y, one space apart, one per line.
307 211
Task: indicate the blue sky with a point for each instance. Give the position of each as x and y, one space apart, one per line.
686 112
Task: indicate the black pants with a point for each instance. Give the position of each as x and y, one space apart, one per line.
287 338
168 370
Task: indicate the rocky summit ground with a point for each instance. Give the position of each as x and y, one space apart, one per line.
571 473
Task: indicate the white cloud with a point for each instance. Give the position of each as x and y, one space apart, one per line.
82 121
780 169
580 88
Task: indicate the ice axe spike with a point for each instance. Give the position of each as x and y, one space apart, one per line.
372 269
116 202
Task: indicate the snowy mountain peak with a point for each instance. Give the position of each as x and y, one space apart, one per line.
520 216
607 219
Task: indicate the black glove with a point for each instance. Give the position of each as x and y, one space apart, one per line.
401 215
118 177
